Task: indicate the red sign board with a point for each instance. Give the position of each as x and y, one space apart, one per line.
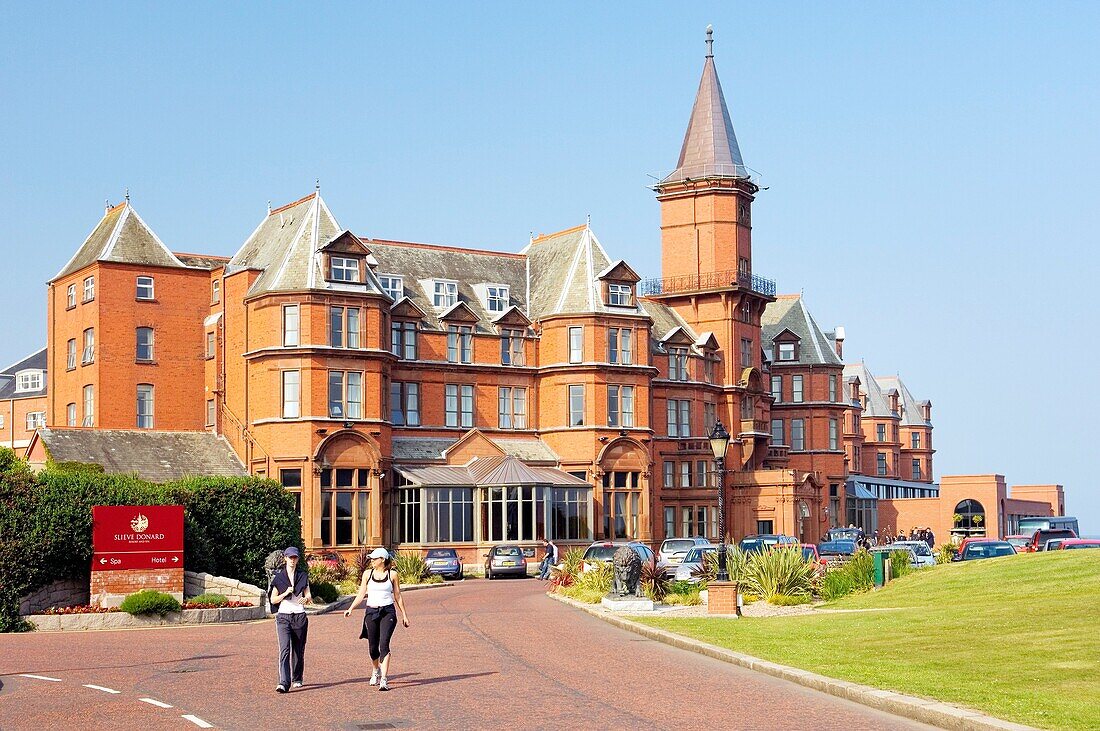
137 537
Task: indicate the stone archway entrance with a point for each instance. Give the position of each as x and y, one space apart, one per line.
623 501
347 499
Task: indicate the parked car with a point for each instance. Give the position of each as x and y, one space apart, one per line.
986 549
605 550
1040 537
445 562
888 548
764 541
844 534
505 560
966 542
834 550
673 550
810 552
693 561
1070 544
924 554
1054 544
1019 542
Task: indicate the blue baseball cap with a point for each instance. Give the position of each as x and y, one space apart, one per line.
291 552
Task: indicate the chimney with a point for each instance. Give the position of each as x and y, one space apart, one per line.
893 394
926 410
838 340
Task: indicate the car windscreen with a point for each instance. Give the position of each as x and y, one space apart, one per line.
680 544
1019 542
1074 547
442 553
600 553
750 545
989 550
837 547
919 547
506 551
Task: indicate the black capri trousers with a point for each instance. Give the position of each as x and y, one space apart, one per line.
378 626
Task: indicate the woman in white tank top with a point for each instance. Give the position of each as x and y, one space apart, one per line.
382 590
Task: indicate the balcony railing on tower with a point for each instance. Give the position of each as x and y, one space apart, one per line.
710 280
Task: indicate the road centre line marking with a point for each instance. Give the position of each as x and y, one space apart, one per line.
39 677
155 702
100 687
197 721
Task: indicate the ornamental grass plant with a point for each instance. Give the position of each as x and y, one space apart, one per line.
777 572
857 575
411 567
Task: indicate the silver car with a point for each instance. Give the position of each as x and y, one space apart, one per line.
692 562
924 554
673 550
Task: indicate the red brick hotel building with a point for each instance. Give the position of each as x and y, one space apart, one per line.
413 394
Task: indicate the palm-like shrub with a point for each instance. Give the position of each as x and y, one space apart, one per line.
900 564
360 564
572 561
411 567
779 571
653 582
858 574
707 571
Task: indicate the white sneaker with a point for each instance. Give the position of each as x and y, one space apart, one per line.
382 684
374 677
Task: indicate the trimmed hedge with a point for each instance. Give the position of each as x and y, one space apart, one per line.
230 524
150 601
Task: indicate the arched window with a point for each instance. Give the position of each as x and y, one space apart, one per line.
969 515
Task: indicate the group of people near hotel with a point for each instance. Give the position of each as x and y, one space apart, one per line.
289 593
884 537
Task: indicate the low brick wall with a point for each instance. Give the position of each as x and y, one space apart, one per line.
196 583
60 593
118 620
109 588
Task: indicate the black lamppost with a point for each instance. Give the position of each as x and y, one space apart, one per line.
719 442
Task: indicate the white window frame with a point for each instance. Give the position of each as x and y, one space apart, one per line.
147 284
798 394
620 346
145 420
35 420
70 415
460 344
138 344
211 411
343 269
215 291
782 436
460 396
511 407
89 289
834 434
88 354
403 339
444 293
88 393
575 342
392 285
620 295
777 389
496 297
291 384
291 335
678 417
576 409
70 296
28 380
785 352
798 434
678 369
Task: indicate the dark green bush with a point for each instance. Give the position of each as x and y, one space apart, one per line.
218 600
230 524
150 601
324 592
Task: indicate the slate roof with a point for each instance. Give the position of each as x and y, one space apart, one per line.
710 146
286 248
789 312
157 456
488 471
417 263
417 449
202 261
35 361
122 236
878 405
911 412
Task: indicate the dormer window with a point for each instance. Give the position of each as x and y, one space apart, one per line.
620 295
444 293
145 288
29 380
496 298
343 269
393 286
787 351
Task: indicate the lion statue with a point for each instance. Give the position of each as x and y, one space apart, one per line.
628 572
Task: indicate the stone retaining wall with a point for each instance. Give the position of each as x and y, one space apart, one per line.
60 593
195 583
112 620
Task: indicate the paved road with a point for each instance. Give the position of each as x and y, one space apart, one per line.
480 655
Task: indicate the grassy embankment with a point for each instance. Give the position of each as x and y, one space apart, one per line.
1014 637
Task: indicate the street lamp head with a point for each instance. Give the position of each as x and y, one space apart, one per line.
719 440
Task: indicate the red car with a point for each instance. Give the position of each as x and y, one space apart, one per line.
1019 542
1072 543
967 541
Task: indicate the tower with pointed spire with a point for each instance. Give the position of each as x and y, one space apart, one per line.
706 202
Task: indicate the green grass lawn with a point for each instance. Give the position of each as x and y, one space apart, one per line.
1015 637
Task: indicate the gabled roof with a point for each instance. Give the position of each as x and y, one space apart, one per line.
416 263
620 271
788 313
35 361
287 249
911 412
157 456
490 471
710 146
878 405
431 449
459 312
564 271
121 236
665 320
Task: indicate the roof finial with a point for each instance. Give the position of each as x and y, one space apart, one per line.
588 220
127 195
317 185
269 208
710 41
106 206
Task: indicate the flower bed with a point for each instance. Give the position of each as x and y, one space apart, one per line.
83 609
216 605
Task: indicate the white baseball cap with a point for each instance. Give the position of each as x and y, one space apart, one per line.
379 553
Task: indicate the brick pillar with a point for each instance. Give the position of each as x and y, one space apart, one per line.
722 597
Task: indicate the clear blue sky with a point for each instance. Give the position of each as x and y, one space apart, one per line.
932 166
